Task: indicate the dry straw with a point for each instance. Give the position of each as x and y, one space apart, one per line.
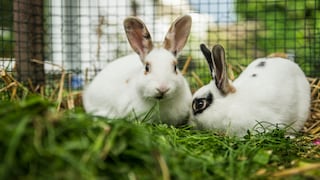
312 126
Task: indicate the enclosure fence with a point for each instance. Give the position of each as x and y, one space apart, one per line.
40 40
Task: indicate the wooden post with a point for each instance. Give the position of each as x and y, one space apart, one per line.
28 34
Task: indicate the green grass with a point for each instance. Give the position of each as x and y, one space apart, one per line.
37 142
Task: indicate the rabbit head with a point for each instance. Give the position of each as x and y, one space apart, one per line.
219 87
159 78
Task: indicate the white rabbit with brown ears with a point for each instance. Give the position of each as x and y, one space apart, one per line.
270 91
134 84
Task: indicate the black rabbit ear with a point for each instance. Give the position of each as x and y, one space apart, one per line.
220 68
207 54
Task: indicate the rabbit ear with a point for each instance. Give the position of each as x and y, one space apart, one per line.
177 34
207 54
219 65
138 36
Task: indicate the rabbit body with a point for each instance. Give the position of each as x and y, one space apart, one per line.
138 83
271 91
106 96
122 88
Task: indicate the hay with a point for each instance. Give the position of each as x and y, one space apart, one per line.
12 86
312 126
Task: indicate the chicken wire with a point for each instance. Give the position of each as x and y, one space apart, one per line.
80 37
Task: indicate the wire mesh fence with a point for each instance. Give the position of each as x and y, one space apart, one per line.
41 39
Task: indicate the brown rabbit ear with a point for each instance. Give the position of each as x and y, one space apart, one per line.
178 34
220 68
138 36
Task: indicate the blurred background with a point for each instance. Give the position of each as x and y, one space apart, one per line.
41 39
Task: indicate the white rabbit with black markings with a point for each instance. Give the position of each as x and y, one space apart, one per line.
134 84
271 90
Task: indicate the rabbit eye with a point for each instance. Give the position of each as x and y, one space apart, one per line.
200 104
175 68
147 68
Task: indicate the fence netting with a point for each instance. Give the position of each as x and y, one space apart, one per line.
41 39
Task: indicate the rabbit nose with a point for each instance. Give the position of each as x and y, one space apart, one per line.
162 90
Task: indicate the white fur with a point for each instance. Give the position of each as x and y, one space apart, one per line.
279 94
124 89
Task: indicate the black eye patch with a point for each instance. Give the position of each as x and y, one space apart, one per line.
200 104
